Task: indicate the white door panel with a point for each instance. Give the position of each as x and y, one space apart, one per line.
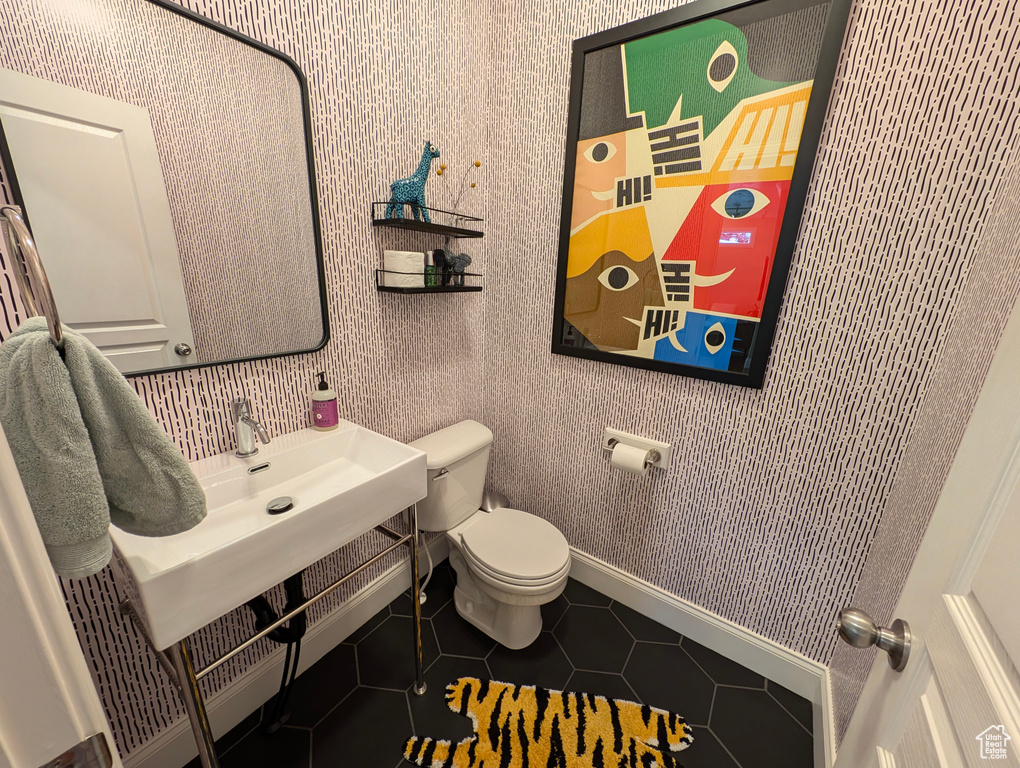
996 593
978 689
918 750
944 735
94 193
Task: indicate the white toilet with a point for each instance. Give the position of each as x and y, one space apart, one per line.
508 562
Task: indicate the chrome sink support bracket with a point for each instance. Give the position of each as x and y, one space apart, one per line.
180 656
179 667
177 664
419 679
412 541
387 531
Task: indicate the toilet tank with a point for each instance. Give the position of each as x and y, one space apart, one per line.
458 458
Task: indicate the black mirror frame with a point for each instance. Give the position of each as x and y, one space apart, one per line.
8 165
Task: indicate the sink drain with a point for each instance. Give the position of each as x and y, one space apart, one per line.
280 505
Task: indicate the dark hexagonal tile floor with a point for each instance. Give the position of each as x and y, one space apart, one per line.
643 628
664 676
552 612
384 656
355 707
722 670
797 706
542 663
743 711
601 684
430 713
310 700
594 639
457 637
368 728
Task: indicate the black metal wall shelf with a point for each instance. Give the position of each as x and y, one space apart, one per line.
431 289
447 223
466 288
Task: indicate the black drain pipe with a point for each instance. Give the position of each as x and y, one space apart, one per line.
290 634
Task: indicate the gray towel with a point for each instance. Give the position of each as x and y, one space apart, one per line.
88 451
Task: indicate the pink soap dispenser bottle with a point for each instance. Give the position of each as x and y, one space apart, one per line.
324 408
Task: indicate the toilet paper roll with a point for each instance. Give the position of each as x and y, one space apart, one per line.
629 459
411 262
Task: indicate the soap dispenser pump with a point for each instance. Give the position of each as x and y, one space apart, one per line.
325 415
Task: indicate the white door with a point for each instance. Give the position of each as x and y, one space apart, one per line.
94 194
957 703
48 703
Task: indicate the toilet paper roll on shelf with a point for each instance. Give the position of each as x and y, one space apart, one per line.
403 269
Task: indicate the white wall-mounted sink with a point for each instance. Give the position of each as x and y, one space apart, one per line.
343 483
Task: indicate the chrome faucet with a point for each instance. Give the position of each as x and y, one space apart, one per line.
245 428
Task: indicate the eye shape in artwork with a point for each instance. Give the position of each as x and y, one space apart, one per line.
722 66
715 338
740 203
618 278
600 152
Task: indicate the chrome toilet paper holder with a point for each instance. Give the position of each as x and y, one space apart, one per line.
651 456
658 454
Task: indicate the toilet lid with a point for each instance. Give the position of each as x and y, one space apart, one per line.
516 544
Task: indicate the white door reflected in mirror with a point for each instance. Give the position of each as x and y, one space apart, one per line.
90 177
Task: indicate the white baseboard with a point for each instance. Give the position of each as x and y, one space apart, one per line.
789 669
175 746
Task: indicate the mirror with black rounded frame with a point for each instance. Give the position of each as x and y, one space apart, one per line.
164 163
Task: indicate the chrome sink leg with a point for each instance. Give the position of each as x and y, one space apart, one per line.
180 657
419 675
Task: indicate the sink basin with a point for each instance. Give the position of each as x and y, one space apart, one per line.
343 483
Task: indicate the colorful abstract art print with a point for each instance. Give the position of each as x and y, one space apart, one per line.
691 137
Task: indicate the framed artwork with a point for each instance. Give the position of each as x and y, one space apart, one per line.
690 141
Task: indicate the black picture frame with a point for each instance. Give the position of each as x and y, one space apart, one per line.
743 15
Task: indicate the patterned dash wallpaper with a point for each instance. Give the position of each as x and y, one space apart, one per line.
784 504
780 501
402 365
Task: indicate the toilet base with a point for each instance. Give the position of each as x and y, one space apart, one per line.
512 625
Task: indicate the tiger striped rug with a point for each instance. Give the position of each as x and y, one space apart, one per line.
524 726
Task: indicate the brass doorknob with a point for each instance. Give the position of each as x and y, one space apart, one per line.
859 630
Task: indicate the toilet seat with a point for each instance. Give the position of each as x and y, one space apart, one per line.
512 583
514 547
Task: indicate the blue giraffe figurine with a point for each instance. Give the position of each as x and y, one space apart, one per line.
412 189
